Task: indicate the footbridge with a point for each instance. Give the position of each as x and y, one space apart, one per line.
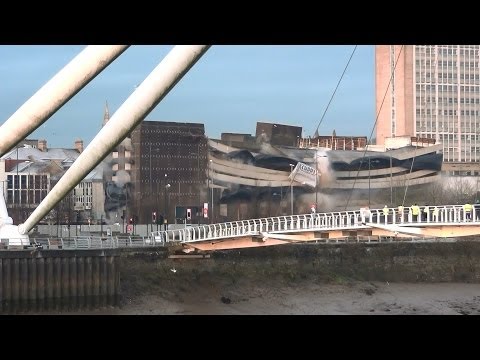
444 223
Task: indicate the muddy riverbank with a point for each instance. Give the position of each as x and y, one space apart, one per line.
421 278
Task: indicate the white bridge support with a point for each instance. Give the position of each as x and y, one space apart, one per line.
8 230
56 92
142 101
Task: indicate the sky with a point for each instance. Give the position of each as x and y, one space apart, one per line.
229 89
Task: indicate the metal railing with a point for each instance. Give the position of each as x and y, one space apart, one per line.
342 220
80 242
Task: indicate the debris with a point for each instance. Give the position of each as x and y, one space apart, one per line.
225 300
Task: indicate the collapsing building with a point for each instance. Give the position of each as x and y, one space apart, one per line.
284 179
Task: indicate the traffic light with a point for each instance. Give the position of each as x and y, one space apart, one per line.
189 214
130 221
154 217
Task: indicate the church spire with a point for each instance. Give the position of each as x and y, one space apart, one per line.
106 115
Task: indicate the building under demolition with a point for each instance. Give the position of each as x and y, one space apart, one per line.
261 179
170 172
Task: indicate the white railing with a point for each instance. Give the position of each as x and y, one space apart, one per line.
342 220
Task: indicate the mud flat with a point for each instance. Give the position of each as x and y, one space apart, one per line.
369 279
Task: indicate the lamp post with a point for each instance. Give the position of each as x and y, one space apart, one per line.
157 204
151 190
291 189
210 190
197 155
164 183
316 181
368 181
199 182
391 182
165 203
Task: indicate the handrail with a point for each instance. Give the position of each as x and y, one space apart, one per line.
343 220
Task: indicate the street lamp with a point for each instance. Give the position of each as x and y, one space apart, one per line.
210 189
291 189
197 155
316 181
165 204
151 190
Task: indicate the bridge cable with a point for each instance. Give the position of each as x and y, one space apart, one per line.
371 134
338 84
411 168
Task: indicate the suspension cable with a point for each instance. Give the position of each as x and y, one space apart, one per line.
411 168
338 84
373 128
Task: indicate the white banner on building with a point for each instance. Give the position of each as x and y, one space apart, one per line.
304 174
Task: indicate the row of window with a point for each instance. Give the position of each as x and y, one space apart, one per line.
115 167
128 154
172 129
430 50
191 180
82 189
446 132
445 88
465 153
464 157
463 173
82 192
27 181
194 154
450 100
25 196
453 139
445 63
192 192
83 200
463 137
451 75
445 112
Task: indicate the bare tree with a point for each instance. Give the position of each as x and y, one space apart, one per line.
436 193
461 190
